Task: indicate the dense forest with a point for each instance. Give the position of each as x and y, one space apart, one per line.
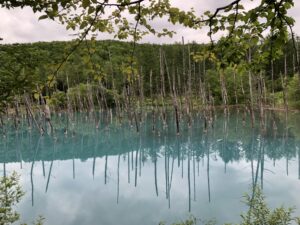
104 69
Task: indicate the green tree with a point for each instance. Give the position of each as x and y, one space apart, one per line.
10 194
258 213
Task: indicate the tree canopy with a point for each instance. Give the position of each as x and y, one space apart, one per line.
241 27
133 18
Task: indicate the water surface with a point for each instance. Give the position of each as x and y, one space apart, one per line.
114 175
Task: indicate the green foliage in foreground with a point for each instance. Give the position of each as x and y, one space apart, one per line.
258 214
11 194
191 221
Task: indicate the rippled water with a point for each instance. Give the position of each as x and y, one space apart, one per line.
114 175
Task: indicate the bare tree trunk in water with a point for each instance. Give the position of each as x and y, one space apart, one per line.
173 93
235 89
284 88
190 79
28 106
272 76
251 90
224 91
261 103
162 91
141 92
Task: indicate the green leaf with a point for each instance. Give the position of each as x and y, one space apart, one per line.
43 17
36 96
55 7
86 3
91 10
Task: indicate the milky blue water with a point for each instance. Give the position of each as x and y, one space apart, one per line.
114 175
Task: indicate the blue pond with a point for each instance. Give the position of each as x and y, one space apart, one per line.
114 175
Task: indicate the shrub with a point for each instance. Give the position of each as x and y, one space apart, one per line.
58 99
294 92
11 194
258 213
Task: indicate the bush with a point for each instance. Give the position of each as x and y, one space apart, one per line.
258 213
11 194
294 92
191 221
58 100
84 90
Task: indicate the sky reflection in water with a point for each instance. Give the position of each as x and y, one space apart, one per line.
116 176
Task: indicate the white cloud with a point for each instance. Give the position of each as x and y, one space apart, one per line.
22 25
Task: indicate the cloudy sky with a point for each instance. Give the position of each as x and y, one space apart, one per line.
22 25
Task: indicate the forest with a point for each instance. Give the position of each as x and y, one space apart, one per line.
113 74
106 65
255 64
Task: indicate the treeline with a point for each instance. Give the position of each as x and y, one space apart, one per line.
108 72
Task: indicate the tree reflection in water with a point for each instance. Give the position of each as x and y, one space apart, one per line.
228 140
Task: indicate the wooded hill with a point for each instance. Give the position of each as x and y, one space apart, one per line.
111 68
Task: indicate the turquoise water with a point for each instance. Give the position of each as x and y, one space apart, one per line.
114 175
